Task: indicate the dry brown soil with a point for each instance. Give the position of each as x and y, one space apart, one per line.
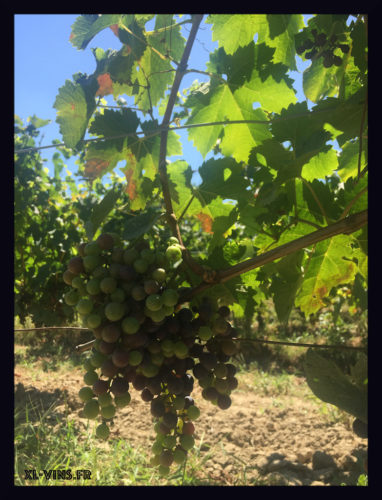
281 439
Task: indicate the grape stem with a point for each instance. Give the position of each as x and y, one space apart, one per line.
345 225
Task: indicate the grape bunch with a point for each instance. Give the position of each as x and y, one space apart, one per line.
145 339
321 46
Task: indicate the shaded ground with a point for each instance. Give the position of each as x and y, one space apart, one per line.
274 439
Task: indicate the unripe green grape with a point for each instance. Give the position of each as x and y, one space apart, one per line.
92 248
173 240
91 262
179 456
187 442
122 400
169 441
205 333
206 381
221 386
91 409
84 306
102 431
167 310
93 286
85 394
157 359
71 298
130 325
163 470
180 349
108 411
105 399
154 461
157 448
93 321
81 249
154 302
114 311
170 297
97 359
159 275
193 412
150 370
167 346
135 358
157 316
68 277
141 266
78 282
173 253
108 284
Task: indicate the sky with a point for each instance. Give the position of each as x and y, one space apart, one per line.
44 58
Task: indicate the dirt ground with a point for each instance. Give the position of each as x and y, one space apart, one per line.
274 440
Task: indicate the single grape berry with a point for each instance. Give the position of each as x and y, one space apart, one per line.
102 431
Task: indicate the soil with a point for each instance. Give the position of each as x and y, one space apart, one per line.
261 439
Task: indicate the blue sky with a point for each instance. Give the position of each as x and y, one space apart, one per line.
44 59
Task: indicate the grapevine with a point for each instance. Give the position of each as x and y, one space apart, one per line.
147 339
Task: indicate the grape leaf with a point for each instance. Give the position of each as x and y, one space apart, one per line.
348 160
331 385
320 166
285 285
222 177
141 224
75 104
232 32
329 265
86 26
286 26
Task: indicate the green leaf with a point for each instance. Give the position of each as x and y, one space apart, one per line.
359 48
141 224
320 166
102 210
224 178
86 26
331 385
286 283
329 265
114 123
234 31
348 160
75 103
282 28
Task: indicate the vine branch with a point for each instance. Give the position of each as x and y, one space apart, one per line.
195 266
346 225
